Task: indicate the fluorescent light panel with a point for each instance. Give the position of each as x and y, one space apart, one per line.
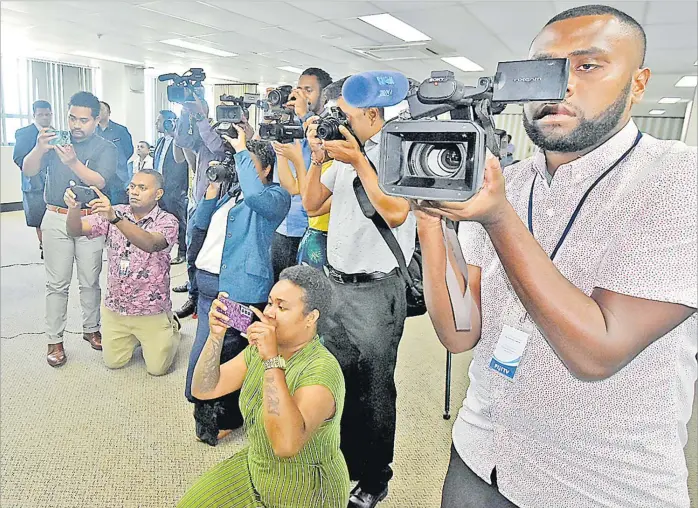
669 100
462 63
109 58
687 82
289 68
395 27
657 112
197 47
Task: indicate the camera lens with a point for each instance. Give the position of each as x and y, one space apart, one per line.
436 160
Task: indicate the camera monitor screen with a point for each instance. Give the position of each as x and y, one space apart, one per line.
531 80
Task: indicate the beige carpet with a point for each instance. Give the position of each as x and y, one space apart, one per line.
84 436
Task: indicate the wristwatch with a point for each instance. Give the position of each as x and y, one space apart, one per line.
277 362
118 217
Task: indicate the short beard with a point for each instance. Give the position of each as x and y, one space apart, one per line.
588 133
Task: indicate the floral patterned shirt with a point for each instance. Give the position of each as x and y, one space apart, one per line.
138 282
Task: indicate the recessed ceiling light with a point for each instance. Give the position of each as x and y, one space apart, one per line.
197 47
98 56
687 82
462 63
656 112
395 27
696 62
669 100
288 68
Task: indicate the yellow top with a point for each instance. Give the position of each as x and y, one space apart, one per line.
321 222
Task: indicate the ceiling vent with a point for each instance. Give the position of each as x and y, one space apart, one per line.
405 51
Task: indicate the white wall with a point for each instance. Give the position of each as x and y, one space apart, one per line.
127 107
691 128
10 181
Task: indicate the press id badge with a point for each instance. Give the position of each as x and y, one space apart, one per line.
510 347
124 267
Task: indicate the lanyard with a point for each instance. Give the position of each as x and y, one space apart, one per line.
581 202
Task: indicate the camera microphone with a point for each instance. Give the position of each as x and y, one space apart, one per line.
375 89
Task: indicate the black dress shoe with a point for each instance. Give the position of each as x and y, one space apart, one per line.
178 260
182 288
187 309
362 499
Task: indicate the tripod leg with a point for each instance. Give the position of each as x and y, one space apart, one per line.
447 401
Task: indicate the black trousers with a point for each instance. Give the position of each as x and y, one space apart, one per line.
464 489
370 319
175 202
284 252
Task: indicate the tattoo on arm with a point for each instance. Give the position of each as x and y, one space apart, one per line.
271 394
208 368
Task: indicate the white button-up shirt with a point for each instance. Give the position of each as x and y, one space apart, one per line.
556 440
354 244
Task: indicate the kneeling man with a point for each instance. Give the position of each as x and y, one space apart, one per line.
137 308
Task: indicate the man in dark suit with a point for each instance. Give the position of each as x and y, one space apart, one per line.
169 160
33 186
121 137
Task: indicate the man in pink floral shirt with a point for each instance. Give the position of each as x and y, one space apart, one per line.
137 308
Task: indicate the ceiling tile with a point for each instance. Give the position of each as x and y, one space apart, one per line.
672 36
203 14
337 9
272 13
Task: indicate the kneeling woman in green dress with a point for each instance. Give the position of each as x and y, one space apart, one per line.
292 396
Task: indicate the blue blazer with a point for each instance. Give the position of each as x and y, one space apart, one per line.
246 271
25 140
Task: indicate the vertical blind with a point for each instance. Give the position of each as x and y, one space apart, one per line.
25 81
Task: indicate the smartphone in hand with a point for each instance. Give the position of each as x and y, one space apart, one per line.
62 138
83 194
239 316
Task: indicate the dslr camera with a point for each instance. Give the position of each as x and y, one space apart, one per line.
444 160
329 123
185 88
224 172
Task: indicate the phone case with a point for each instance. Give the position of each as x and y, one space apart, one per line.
240 317
83 194
62 138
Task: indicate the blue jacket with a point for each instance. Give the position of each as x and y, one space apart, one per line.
25 140
246 271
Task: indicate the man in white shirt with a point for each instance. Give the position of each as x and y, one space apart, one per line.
583 275
370 295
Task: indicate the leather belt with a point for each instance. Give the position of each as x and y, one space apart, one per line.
64 211
356 278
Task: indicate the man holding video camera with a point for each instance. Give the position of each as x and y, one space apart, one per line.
87 160
194 132
582 294
371 294
137 308
305 101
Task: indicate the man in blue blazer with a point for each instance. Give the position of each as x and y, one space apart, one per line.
235 258
33 186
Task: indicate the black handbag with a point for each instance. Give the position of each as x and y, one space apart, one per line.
412 274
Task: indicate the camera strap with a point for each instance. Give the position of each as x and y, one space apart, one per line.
581 202
461 303
370 212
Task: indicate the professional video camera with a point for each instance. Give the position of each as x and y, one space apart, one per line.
282 127
281 131
185 87
444 160
329 122
233 113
